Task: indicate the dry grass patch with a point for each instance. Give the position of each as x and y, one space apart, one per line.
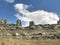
18 41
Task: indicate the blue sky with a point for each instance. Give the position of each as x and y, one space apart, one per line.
7 10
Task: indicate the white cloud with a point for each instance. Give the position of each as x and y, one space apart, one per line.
39 16
10 1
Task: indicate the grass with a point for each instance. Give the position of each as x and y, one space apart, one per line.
15 41
27 31
19 41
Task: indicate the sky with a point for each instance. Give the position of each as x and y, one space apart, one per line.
8 8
